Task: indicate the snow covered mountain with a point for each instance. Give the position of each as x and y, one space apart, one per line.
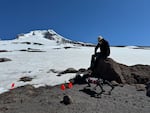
53 36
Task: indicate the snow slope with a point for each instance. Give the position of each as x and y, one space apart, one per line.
54 56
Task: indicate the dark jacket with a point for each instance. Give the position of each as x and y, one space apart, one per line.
104 48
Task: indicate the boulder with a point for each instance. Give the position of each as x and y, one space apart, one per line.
112 71
109 70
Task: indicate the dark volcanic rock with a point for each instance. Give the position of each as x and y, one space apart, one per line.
67 99
4 59
140 87
26 43
34 50
111 70
4 51
141 73
35 43
25 79
69 70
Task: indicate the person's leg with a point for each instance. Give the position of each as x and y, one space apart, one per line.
92 62
97 57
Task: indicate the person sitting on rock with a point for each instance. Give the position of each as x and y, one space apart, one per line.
103 54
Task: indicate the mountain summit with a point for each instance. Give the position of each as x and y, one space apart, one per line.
51 35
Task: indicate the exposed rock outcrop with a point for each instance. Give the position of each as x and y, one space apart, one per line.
111 70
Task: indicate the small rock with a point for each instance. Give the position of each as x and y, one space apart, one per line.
3 109
82 70
4 59
23 50
53 71
37 43
67 47
26 43
134 104
67 100
69 70
140 87
114 83
3 50
25 79
34 50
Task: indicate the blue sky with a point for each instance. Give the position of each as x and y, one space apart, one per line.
121 22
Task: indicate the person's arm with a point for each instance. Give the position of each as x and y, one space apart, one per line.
96 47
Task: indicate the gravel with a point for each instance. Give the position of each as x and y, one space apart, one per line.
48 99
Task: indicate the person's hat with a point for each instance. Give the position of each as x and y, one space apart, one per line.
100 38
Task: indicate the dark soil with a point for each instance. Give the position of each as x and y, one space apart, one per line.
48 99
